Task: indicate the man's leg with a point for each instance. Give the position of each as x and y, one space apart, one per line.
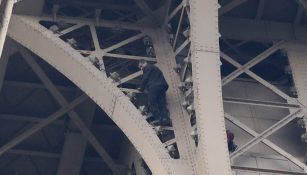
164 113
153 99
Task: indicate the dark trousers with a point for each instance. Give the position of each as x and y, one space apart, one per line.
231 146
157 102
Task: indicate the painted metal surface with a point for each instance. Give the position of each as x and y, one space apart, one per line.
96 85
5 22
180 119
297 58
212 153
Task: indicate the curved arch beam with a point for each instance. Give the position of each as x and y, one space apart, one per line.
28 32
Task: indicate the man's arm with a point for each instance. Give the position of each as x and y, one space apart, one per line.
145 77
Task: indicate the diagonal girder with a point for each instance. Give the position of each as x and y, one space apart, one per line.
256 77
178 27
176 10
5 22
146 10
299 15
270 171
207 89
74 148
303 3
252 63
98 87
182 46
266 141
267 133
260 103
230 6
125 42
42 124
72 114
260 9
9 49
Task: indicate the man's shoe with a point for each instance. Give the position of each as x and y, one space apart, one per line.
155 123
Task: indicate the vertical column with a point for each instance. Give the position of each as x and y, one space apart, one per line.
181 123
212 152
5 22
130 156
297 55
3 66
75 144
8 50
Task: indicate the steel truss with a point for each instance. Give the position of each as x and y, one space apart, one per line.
199 46
298 111
98 87
293 104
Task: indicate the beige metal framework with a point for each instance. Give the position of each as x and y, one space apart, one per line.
196 107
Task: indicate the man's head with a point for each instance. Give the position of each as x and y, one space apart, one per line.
142 64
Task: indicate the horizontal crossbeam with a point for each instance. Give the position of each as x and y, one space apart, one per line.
257 78
266 133
266 170
252 63
266 141
259 103
43 124
230 6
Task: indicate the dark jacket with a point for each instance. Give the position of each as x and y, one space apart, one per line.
152 77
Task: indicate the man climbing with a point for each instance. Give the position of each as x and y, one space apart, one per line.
154 82
230 140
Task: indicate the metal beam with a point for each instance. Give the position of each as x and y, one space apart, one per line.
207 89
252 63
130 77
103 6
72 114
70 29
233 4
36 85
122 43
299 15
266 133
5 22
259 103
182 46
178 27
181 124
96 85
261 170
86 21
34 153
43 124
257 78
176 10
147 11
303 3
253 30
95 37
260 9
75 144
266 141
46 155
34 120
9 49
297 58
131 57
